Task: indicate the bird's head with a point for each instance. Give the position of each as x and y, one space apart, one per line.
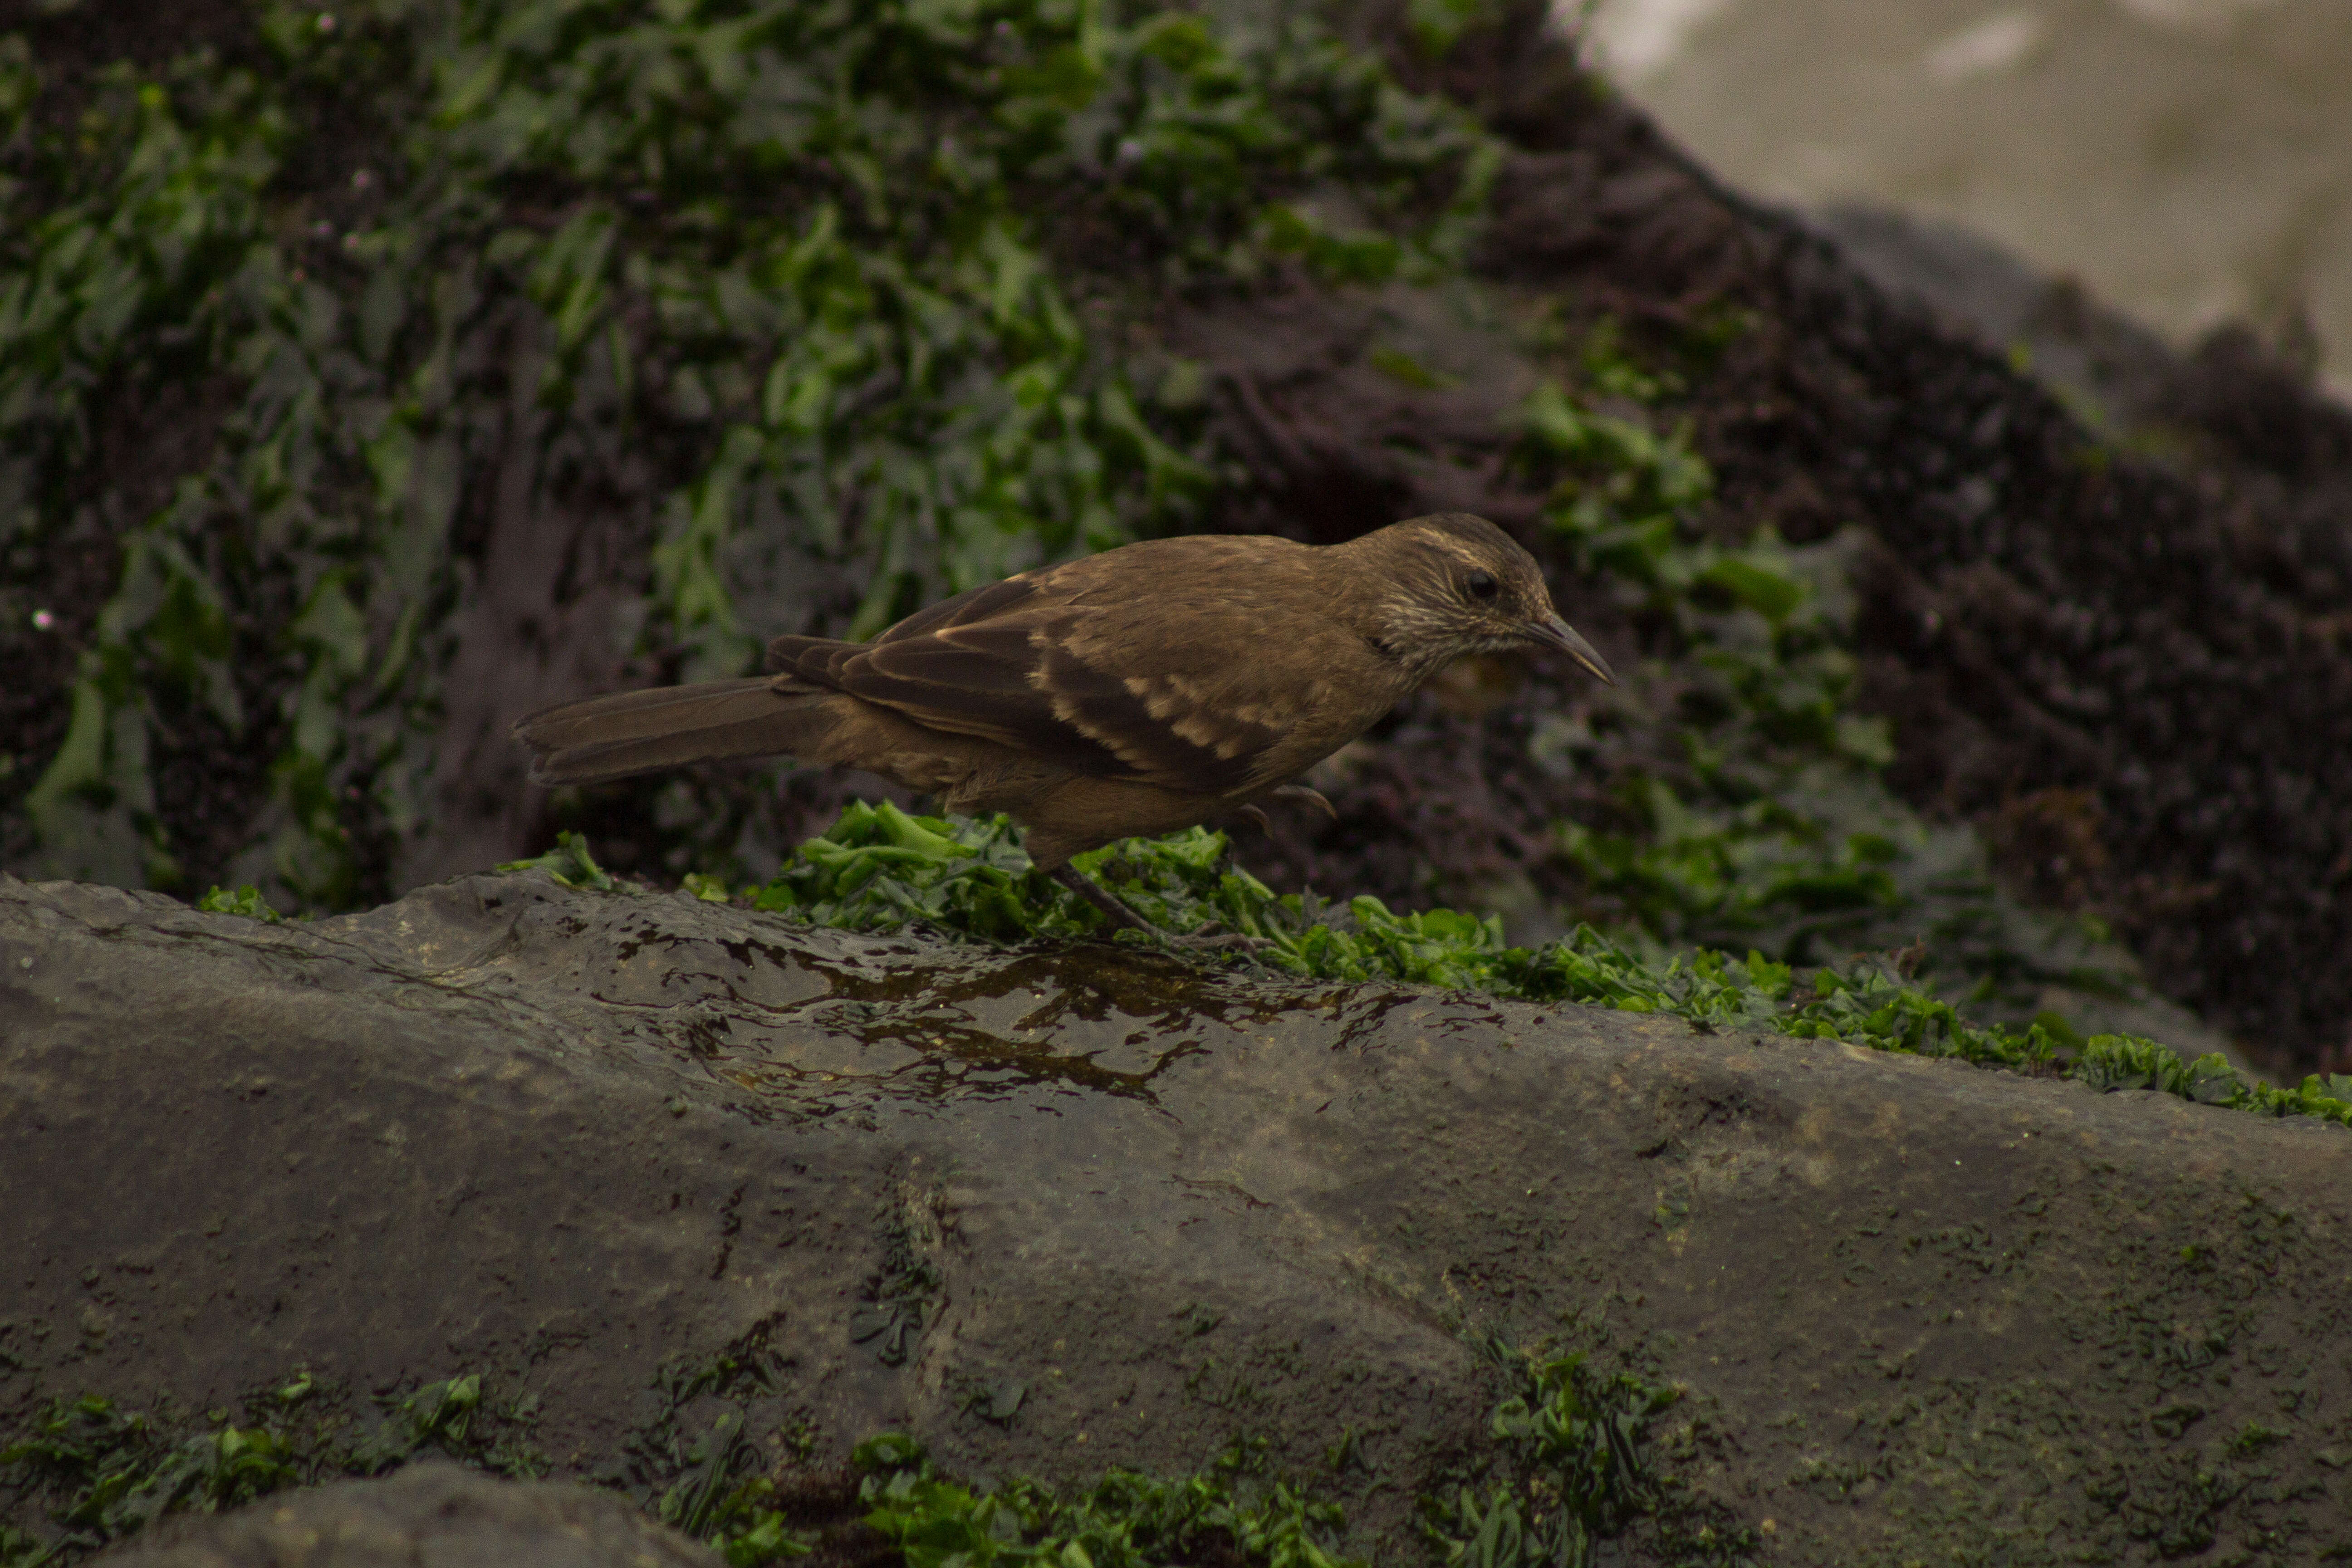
1454 584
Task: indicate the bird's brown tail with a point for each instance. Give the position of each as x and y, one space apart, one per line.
672 727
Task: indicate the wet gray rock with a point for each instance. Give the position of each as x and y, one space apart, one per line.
650 1167
430 1513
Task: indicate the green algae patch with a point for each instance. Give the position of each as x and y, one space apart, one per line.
1574 1466
1127 1520
101 1473
1577 1464
246 901
107 1473
2127 1061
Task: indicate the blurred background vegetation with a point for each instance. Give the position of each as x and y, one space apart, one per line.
374 373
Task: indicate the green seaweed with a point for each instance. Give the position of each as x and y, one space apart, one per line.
570 863
1747 805
119 1473
2112 1062
712 1483
101 1473
448 1417
1127 1520
1574 1466
247 901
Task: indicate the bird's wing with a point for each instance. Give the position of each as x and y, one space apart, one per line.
1172 688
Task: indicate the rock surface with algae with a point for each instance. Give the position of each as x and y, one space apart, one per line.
1056 1208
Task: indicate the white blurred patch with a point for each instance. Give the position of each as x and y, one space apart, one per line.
2190 15
1635 39
2000 43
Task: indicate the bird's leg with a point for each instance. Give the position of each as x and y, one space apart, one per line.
1313 798
1120 917
1124 919
1252 814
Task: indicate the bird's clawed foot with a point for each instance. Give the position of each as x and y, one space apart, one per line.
1255 814
1313 798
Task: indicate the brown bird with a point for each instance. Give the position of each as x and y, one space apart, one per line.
1135 692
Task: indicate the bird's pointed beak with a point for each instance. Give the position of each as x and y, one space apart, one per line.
1553 632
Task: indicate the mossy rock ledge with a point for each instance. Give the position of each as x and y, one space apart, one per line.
643 1164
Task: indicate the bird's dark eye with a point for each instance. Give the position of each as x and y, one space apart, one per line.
1482 586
